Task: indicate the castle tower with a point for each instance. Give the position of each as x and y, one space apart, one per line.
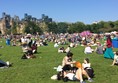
3 26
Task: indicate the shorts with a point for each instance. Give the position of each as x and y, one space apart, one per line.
75 79
116 64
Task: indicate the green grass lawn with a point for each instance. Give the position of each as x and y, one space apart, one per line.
40 70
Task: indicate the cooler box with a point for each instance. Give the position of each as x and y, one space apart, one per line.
115 43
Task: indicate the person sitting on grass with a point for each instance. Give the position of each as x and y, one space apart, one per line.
88 49
86 67
99 48
45 43
67 60
67 49
72 45
34 48
56 45
115 61
28 55
84 73
61 50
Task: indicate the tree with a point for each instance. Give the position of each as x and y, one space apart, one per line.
111 24
32 28
14 28
95 28
72 28
52 27
76 27
116 24
80 26
62 27
43 26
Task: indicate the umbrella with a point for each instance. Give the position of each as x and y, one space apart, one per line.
85 33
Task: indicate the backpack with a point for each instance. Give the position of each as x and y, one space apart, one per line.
89 71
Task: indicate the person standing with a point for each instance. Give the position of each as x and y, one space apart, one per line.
109 52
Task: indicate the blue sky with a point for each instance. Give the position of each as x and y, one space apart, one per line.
86 11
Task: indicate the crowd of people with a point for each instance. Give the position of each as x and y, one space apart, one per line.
69 69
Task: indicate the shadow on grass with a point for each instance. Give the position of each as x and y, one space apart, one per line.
38 53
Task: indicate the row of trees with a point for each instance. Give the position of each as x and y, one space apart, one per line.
63 27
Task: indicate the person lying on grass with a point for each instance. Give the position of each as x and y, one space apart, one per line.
5 64
77 76
73 74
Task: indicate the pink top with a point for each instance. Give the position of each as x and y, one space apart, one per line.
109 43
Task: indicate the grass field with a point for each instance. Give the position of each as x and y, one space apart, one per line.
40 70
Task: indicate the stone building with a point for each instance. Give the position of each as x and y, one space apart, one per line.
7 23
11 25
2 26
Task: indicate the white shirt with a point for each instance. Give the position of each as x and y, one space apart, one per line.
56 45
67 49
116 58
23 40
86 65
88 50
70 76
